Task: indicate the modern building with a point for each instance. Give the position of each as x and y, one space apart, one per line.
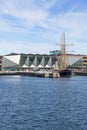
55 52
11 62
16 62
26 61
0 62
84 60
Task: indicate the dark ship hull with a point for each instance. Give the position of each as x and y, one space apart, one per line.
65 73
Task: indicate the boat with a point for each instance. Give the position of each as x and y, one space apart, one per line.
65 73
63 67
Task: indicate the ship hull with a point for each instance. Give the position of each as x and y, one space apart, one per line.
65 73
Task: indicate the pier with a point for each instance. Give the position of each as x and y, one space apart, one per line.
43 74
81 73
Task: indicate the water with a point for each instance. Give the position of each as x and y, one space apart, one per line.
31 103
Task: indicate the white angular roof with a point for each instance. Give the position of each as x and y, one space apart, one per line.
40 66
47 66
32 66
24 66
13 58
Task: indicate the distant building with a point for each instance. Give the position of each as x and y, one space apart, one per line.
11 62
26 61
55 52
0 62
16 62
84 60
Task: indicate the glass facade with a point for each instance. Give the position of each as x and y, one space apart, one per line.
55 52
29 61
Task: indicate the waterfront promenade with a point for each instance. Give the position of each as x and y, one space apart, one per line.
45 74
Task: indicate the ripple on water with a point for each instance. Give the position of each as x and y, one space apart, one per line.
30 103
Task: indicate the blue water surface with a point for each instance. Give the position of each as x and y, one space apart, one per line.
31 103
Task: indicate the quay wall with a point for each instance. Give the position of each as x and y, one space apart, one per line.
42 74
81 73
33 74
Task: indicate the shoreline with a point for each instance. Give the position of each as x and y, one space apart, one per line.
44 74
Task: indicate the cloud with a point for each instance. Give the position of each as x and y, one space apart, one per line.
21 46
28 16
38 20
33 14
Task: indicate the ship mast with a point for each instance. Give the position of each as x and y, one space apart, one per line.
63 63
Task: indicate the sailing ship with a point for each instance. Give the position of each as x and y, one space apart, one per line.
63 67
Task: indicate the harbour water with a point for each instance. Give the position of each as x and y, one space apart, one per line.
31 103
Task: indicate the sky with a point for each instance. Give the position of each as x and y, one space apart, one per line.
35 26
